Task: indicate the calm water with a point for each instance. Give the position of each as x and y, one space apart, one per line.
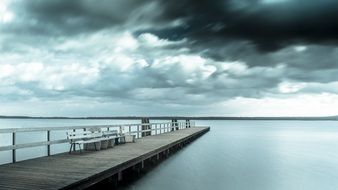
240 155
253 155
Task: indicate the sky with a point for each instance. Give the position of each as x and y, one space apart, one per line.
163 58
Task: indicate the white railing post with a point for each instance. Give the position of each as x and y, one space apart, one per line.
74 146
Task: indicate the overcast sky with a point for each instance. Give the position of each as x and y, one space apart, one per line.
169 57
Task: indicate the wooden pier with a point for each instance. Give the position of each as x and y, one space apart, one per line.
92 168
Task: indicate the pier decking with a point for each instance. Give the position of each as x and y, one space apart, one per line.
79 171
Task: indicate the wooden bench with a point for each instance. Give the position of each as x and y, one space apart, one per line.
113 135
130 137
84 137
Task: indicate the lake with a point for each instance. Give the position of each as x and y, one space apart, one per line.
253 155
239 155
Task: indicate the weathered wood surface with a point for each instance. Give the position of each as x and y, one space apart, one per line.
66 171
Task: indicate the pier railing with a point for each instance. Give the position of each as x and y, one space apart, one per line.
153 128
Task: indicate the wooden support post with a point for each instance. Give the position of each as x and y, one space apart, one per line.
145 126
187 123
14 150
119 176
174 124
48 146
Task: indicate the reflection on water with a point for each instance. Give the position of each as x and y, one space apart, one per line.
255 155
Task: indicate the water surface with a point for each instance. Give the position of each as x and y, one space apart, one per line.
253 155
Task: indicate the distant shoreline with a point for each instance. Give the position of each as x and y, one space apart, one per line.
328 118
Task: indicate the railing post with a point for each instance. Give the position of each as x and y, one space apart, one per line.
48 146
74 148
138 131
14 150
151 128
145 126
160 128
155 129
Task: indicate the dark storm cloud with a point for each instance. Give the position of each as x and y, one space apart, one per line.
63 17
268 24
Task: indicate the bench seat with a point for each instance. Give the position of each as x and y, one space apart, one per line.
83 137
104 139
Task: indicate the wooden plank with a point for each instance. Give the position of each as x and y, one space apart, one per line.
81 170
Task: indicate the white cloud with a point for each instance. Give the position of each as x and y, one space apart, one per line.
6 70
287 87
6 15
151 40
110 66
126 42
324 104
237 67
182 69
29 71
300 48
